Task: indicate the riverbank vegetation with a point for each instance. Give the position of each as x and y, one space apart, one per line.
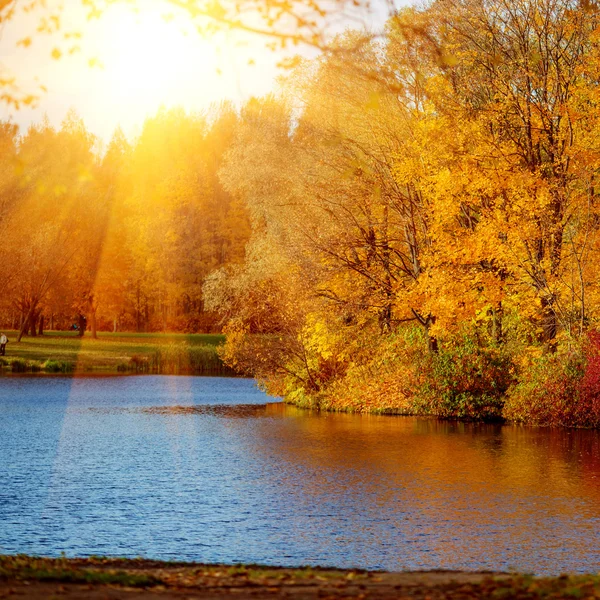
96 577
426 220
65 352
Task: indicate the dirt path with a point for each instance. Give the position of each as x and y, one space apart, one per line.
109 579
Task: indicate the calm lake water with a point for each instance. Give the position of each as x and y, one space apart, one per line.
203 469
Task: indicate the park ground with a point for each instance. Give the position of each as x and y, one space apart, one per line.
103 578
114 352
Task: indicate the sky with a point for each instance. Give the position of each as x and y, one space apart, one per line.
128 63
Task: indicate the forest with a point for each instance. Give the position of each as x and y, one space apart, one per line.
410 225
119 239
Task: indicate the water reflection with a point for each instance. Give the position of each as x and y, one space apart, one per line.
202 469
459 495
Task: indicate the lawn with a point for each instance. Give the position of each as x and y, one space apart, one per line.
140 352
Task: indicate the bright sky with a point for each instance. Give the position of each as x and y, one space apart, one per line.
146 61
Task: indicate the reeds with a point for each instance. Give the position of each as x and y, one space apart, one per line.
179 359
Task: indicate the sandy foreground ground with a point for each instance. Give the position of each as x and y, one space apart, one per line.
111 579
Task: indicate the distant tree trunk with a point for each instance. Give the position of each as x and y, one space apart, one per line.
385 316
52 322
81 321
33 324
495 324
41 327
26 320
92 308
115 325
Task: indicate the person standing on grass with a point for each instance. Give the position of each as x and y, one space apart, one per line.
3 342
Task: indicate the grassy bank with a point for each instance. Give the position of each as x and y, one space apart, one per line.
103 578
65 352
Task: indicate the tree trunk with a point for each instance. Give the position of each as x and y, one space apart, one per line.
495 329
32 324
432 344
41 327
146 315
549 322
25 321
82 324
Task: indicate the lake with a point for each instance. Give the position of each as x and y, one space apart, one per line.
210 470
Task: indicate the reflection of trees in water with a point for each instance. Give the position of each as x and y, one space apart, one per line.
453 490
525 457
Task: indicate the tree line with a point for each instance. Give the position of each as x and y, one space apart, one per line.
120 239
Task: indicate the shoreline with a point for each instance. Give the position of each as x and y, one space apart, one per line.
101 373
59 352
103 577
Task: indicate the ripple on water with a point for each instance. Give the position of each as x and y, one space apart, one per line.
206 469
236 411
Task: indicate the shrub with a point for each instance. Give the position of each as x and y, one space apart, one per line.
463 380
58 366
547 390
18 365
377 378
561 389
587 411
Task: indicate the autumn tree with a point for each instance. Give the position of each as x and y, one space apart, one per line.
44 232
513 82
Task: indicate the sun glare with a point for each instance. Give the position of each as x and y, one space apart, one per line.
131 62
149 61
148 56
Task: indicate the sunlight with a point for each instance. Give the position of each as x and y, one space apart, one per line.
129 64
149 57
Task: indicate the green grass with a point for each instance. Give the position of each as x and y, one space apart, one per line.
65 352
24 568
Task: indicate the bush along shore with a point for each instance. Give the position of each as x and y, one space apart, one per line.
99 577
462 379
126 354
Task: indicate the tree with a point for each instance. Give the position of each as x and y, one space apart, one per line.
44 230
